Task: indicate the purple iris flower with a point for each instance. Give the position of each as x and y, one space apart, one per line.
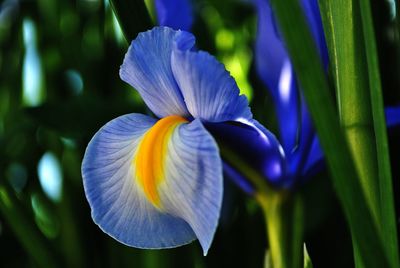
302 150
156 182
298 138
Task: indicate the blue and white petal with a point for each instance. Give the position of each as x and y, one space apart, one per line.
193 187
190 193
177 14
210 93
147 68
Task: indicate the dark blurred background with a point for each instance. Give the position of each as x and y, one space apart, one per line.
59 83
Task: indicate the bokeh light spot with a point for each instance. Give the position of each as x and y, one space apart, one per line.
50 176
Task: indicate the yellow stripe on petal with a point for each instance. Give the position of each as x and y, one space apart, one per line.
151 154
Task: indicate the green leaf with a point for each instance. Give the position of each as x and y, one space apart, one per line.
347 55
341 165
387 216
307 259
352 44
133 17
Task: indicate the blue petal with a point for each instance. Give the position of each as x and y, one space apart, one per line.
315 161
210 93
194 183
177 14
297 159
147 67
118 207
190 193
313 16
276 72
256 146
392 116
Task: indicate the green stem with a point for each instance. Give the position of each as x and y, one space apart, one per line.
284 221
351 83
387 215
283 212
344 34
23 227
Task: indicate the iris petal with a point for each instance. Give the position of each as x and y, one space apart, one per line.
392 116
177 14
210 93
313 16
118 204
177 200
276 72
147 67
256 146
315 161
194 185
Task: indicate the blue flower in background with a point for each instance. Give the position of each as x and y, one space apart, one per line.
157 182
177 14
299 141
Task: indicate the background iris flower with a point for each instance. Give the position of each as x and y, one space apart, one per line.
299 140
158 183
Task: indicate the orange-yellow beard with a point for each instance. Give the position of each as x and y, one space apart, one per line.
150 157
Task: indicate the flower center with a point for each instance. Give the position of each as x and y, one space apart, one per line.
150 158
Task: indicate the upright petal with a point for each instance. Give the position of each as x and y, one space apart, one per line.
313 16
177 14
210 93
315 160
147 67
392 116
154 184
276 72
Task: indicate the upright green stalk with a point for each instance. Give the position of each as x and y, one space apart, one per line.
284 219
283 213
348 186
350 74
387 215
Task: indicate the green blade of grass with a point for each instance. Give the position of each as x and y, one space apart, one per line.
133 17
343 31
347 184
347 53
387 216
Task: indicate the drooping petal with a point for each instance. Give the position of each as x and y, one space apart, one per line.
147 68
194 184
254 145
149 184
392 116
210 93
177 14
